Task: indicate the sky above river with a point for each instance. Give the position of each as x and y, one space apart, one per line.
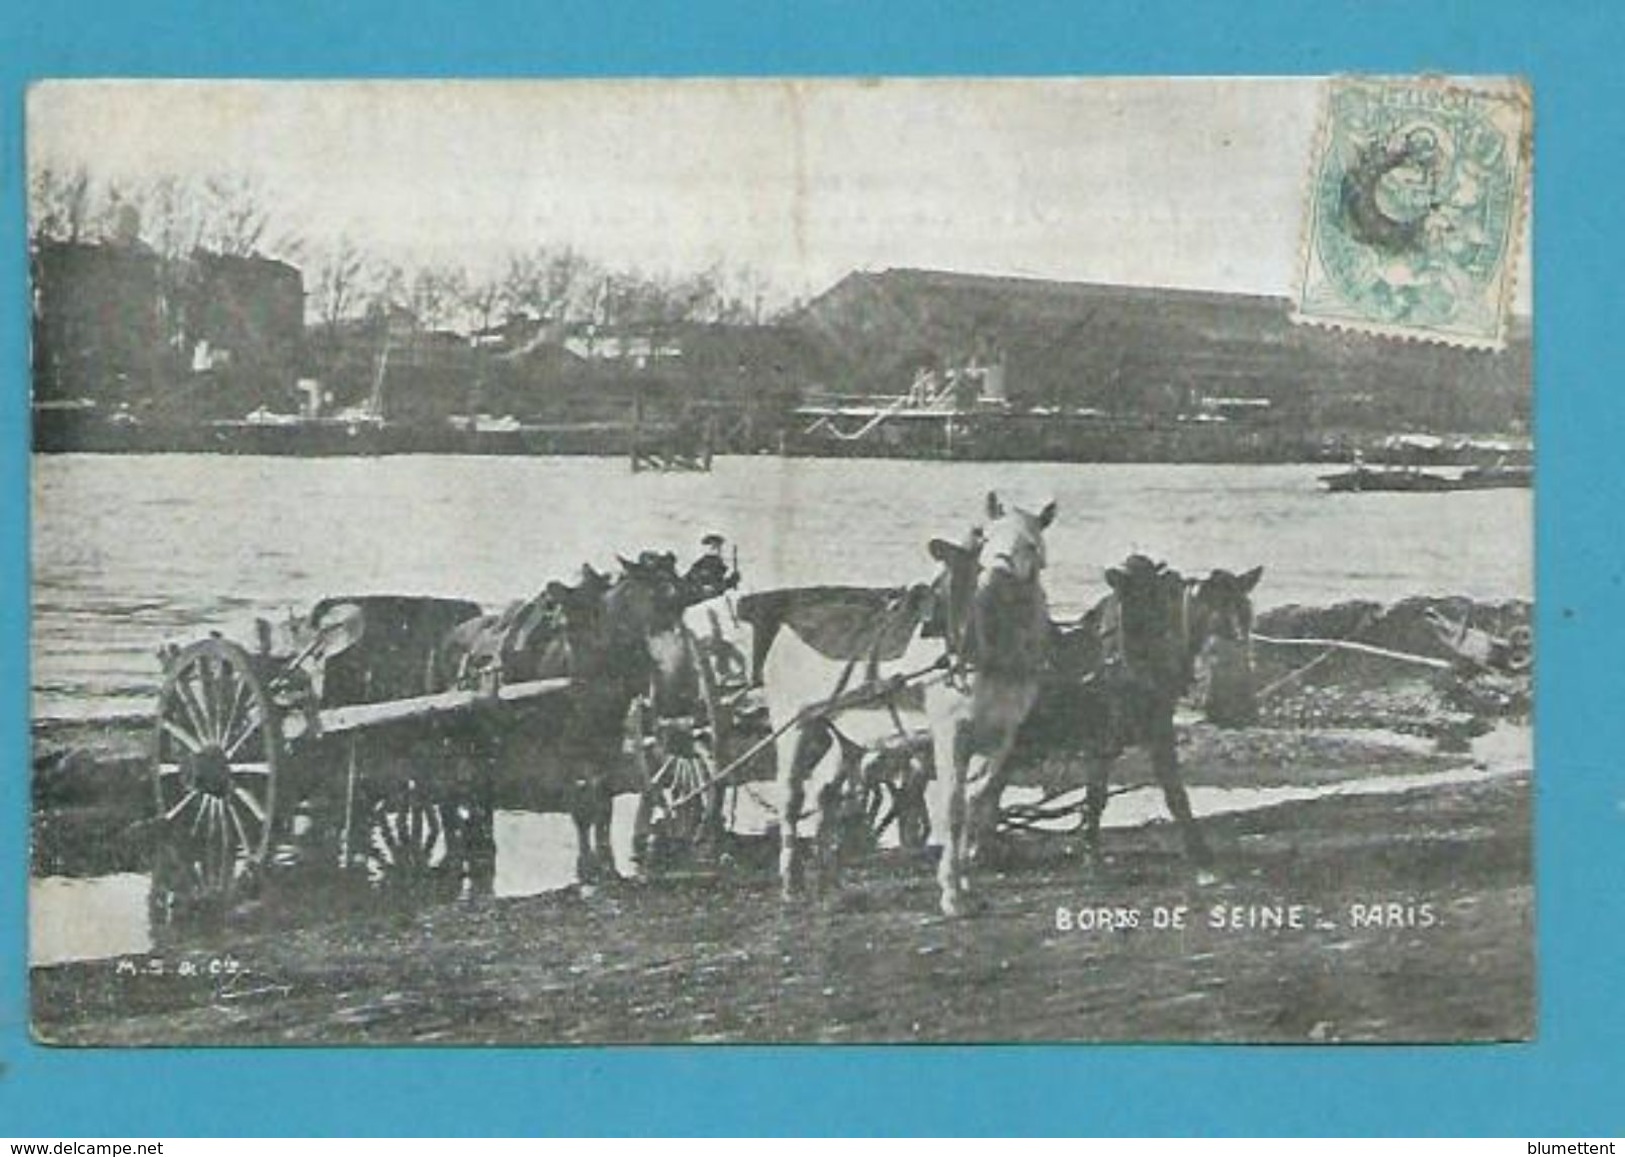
1193 183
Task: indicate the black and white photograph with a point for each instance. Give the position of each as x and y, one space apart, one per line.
816 561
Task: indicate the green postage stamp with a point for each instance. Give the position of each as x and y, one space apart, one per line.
1415 210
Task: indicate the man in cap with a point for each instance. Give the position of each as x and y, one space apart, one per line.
710 575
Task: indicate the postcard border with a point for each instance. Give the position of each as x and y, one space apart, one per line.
1560 1085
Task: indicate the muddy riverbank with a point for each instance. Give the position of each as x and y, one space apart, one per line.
1404 917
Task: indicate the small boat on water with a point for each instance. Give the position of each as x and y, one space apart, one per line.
1411 479
1496 477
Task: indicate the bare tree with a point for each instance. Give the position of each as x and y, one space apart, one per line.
435 294
521 285
236 220
745 294
59 204
696 297
170 222
117 215
338 288
550 284
482 300
383 287
224 214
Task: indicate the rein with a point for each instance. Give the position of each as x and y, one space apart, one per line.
865 695
958 663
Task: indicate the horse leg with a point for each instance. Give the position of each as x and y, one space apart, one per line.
476 777
854 800
828 831
791 796
983 810
482 848
843 821
581 813
1165 762
795 761
713 823
603 808
953 760
1097 773
642 823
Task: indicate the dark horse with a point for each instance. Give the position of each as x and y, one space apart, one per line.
525 641
566 752
1117 675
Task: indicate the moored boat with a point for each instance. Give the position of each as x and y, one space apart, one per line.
1397 479
1410 479
1496 477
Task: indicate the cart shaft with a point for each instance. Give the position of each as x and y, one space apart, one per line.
362 716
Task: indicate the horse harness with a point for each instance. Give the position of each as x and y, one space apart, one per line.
952 665
1115 658
1118 672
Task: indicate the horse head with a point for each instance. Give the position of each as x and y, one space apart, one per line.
1152 623
1222 607
550 615
992 601
1013 541
1166 620
644 604
1221 628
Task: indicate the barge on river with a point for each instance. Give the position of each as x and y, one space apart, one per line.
1413 480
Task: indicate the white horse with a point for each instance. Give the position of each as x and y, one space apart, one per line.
968 656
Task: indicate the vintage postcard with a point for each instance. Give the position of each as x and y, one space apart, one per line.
781 561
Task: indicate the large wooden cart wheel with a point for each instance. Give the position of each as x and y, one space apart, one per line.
677 758
217 747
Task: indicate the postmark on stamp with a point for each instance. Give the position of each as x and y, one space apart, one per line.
1414 206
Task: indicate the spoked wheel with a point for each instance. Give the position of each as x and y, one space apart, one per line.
676 758
413 841
216 752
889 796
676 761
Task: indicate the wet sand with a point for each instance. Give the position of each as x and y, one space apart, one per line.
718 957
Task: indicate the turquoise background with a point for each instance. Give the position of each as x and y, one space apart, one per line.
1569 1083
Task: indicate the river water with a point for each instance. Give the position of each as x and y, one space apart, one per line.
131 552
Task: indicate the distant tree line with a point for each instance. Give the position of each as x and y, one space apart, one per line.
231 215
175 218
556 284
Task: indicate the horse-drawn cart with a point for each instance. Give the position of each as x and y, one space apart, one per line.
345 739
320 745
